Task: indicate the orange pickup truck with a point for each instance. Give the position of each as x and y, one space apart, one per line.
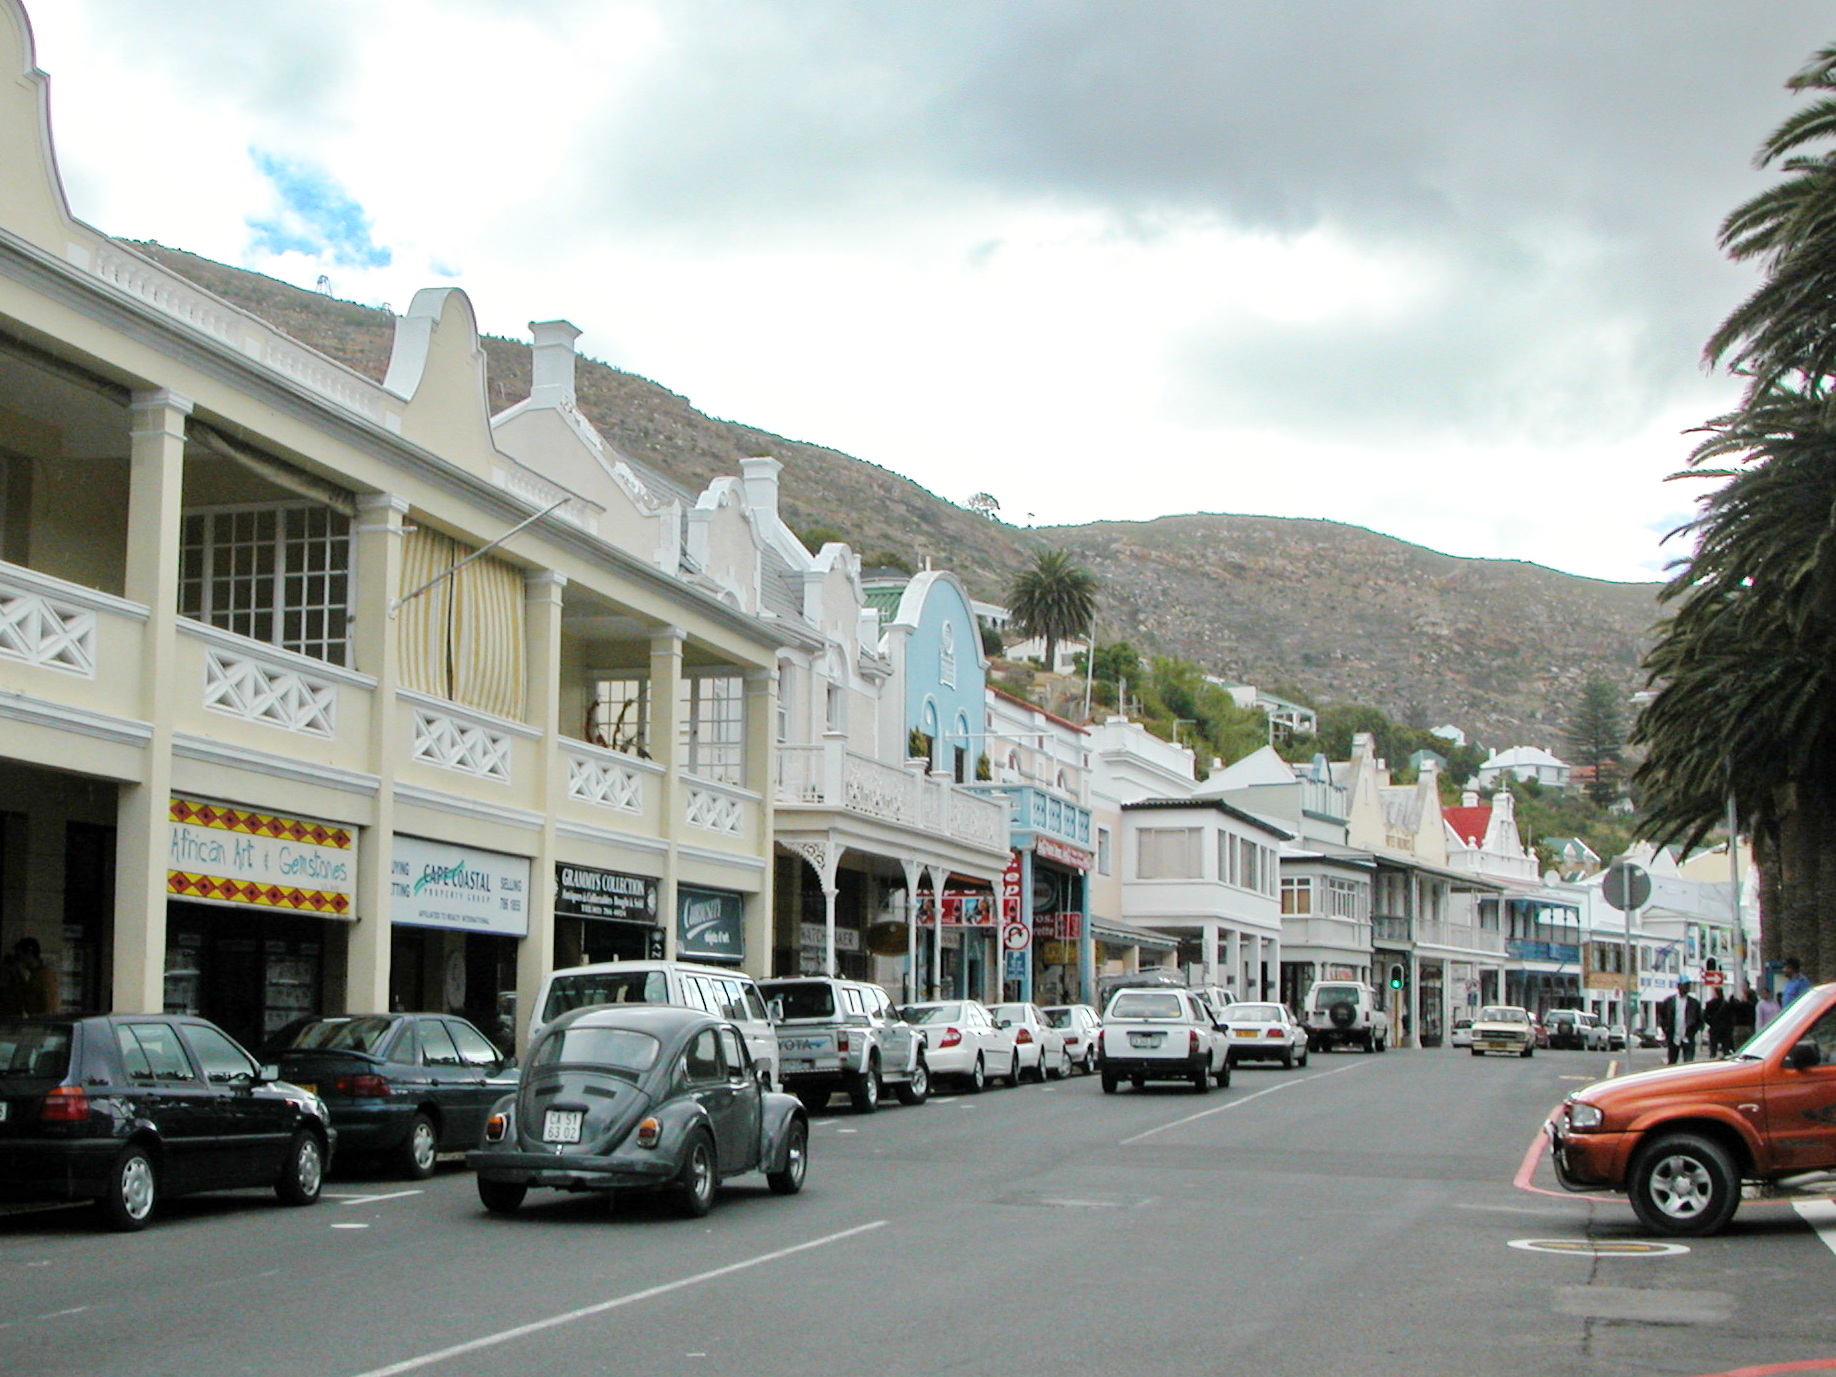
1681 1140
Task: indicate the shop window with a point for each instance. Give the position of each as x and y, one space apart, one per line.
1168 853
619 718
278 574
1297 895
714 724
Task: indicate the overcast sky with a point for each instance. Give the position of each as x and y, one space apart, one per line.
1440 269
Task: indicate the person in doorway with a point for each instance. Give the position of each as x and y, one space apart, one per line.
28 985
1679 1020
1796 982
1765 1009
1718 1018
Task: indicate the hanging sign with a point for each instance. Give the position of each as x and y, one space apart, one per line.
1011 888
710 923
437 885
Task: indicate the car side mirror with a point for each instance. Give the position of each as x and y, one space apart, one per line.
1804 1055
269 1072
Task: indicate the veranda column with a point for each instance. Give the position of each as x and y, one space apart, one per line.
912 869
761 778
1234 948
1211 932
665 750
543 591
143 826
376 650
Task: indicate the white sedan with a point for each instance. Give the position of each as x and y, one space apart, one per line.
1083 1032
1462 1034
962 1042
1036 1041
1263 1032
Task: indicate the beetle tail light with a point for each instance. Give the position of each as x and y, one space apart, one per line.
64 1104
496 1127
951 1037
649 1132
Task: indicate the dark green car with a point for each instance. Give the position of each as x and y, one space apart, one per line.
640 1097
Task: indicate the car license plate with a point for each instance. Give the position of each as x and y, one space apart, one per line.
1145 1039
1243 1032
562 1125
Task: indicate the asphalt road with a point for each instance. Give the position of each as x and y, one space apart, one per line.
1356 1216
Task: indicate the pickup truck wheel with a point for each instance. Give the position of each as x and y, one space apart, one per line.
1109 1083
864 1089
1383 1041
1477 1052
916 1088
1527 1052
1684 1184
501 1197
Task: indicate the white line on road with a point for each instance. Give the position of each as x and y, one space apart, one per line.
372 1199
1207 1113
1821 1216
617 1302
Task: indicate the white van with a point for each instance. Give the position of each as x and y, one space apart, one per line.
717 990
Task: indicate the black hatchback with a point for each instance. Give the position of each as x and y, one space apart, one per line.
128 1109
399 1087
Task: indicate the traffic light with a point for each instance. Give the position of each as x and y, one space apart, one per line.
1396 977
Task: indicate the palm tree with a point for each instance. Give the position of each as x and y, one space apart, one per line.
1054 599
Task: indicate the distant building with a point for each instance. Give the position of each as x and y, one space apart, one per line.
1451 734
1286 719
1527 763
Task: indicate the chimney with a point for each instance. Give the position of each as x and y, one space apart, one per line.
760 475
552 366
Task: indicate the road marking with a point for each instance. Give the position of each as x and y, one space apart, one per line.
1588 1247
350 1226
617 1302
371 1199
59 1314
1612 1068
1065 1203
1219 1109
1588 1079
1821 1216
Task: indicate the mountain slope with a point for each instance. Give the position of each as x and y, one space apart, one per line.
1497 647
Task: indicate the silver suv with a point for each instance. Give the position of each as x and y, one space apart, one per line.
845 1035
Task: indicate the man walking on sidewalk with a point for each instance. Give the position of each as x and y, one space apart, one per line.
1680 1019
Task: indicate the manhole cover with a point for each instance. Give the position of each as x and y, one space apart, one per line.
1588 1247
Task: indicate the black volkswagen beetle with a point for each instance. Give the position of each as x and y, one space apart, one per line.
639 1097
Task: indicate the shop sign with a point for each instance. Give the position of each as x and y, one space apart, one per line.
438 885
710 923
235 856
1062 852
1067 926
1010 888
816 935
962 908
581 891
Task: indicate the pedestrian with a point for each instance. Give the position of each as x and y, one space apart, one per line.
1796 982
1743 1018
1765 1009
1718 1018
28 985
1679 1020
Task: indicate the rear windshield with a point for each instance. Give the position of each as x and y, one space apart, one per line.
334 1035
619 1049
34 1049
605 987
806 999
1146 1004
1253 1013
932 1013
1503 1015
1058 1018
1328 995
1018 1013
1561 1016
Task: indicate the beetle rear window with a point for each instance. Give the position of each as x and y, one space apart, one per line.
34 1049
620 1049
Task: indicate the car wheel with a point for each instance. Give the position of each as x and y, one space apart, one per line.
1109 1083
1304 1052
1684 1184
1039 1068
1477 1052
864 1089
978 1076
133 1190
416 1158
1527 1052
501 1197
1223 1076
698 1179
917 1088
1090 1061
304 1175
1013 1070
796 1161
1287 1059
1201 1080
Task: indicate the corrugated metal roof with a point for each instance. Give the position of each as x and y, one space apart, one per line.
886 597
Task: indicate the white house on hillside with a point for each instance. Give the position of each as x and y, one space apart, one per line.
1530 764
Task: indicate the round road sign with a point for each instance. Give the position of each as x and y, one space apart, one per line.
1626 885
1015 936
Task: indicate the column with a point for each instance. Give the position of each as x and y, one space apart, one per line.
1413 1003
761 760
156 460
935 983
543 597
1209 939
1271 986
665 730
1086 945
376 650
912 869
1234 950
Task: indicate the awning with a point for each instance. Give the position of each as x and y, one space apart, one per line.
1132 937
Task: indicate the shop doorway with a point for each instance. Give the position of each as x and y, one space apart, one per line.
435 970
250 971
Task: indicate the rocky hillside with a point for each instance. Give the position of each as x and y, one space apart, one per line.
1498 647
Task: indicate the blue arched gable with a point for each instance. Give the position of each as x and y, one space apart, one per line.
945 674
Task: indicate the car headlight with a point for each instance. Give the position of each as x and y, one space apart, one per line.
1582 1115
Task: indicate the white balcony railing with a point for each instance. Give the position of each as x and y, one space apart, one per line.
46 623
829 775
255 689
716 807
608 779
456 737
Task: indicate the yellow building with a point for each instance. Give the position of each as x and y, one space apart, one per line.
313 695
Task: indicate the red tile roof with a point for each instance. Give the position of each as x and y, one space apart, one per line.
1469 824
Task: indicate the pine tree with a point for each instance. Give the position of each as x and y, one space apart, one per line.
1597 737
